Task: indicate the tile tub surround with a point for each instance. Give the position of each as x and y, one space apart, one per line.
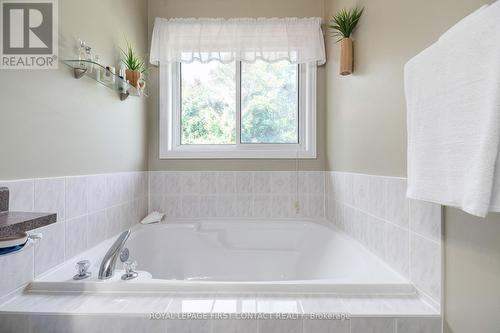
4 199
89 210
70 313
405 233
259 194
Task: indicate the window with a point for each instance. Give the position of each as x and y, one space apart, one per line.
269 103
238 110
208 103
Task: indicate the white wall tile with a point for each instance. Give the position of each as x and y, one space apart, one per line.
397 242
76 196
373 325
157 180
90 209
171 183
49 251
303 206
339 214
76 236
189 326
96 228
114 218
96 193
244 206
360 227
330 184
226 205
140 209
208 206
280 326
280 182
330 208
139 184
326 326
208 183
95 323
17 270
377 236
129 218
377 196
262 182
49 196
226 183
316 206
128 186
172 206
419 325
316 182
348 220
348 188
360 191
339 187
14 323
396 203
425 218
425 265
244 182
190 206
114 189
21 194
262 206
190 182
281 206
235 326
157 203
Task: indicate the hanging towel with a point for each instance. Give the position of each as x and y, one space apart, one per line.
453 103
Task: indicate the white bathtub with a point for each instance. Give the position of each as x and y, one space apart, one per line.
287 256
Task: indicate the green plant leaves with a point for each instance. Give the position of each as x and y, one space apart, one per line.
343 23
131 60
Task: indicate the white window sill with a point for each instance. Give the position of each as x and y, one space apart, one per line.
232 152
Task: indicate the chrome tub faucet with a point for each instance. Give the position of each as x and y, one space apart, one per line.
108 263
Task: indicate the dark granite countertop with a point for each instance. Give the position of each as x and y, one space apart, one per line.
13 222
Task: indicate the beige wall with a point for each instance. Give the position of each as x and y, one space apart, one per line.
53 125
366 132
472 285
234 8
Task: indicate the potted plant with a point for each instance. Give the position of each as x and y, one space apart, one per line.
343 24
134 64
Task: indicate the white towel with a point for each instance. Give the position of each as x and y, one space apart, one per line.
453 103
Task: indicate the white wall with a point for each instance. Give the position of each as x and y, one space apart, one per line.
54 125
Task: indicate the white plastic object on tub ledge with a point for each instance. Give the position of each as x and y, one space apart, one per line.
154 217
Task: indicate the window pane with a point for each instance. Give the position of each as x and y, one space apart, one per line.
208 103
269 102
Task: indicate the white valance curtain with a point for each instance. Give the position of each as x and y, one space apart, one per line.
298 40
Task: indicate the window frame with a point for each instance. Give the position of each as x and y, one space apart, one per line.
170 122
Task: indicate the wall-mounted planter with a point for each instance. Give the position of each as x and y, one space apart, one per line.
346 56
132 76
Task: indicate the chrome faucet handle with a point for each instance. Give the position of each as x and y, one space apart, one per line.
124 255
82 267
130 272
